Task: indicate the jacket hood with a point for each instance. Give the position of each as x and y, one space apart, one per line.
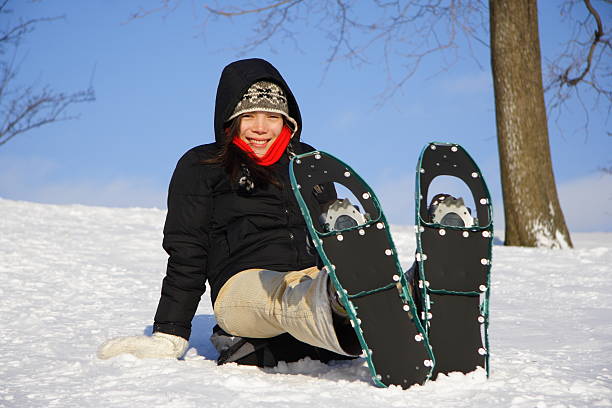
236 78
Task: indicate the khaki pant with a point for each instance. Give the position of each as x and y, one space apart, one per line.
259 303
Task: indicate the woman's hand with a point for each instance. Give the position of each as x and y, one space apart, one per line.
160 345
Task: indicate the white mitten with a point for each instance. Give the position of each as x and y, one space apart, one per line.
160 345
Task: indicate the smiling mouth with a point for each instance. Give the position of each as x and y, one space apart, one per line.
258 142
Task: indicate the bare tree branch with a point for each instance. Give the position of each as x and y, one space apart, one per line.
411 29
379 31
23 108
597 37
12 35
168 6
251 11
584 61
35 109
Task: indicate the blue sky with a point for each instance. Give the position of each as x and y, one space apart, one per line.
155 81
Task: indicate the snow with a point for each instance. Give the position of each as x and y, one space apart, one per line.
73 276
544 236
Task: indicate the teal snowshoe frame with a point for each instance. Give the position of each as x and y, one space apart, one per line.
312 172
448 278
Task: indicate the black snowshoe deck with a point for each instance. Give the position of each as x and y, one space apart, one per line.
363 266
454 265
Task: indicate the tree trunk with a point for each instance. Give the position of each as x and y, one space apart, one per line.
531 207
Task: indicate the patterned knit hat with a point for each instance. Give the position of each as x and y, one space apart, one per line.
264 96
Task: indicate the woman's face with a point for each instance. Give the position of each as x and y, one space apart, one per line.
260 129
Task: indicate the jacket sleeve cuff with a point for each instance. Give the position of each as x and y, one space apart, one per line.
174 329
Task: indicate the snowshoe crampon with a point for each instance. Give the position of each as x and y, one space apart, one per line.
355 245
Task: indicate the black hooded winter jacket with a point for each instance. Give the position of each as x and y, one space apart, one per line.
212 232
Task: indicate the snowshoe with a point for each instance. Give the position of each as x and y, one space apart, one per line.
360 257
454 261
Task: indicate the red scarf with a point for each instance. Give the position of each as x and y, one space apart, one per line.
274 152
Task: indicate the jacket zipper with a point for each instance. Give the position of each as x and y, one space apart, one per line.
287 205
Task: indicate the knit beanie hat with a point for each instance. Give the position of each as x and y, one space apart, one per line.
264 96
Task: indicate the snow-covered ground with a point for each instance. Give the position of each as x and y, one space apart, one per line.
73 276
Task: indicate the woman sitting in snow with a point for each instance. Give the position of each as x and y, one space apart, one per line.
233 221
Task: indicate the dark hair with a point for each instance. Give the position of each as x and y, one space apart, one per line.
235 160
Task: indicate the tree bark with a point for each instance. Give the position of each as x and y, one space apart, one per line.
533 216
